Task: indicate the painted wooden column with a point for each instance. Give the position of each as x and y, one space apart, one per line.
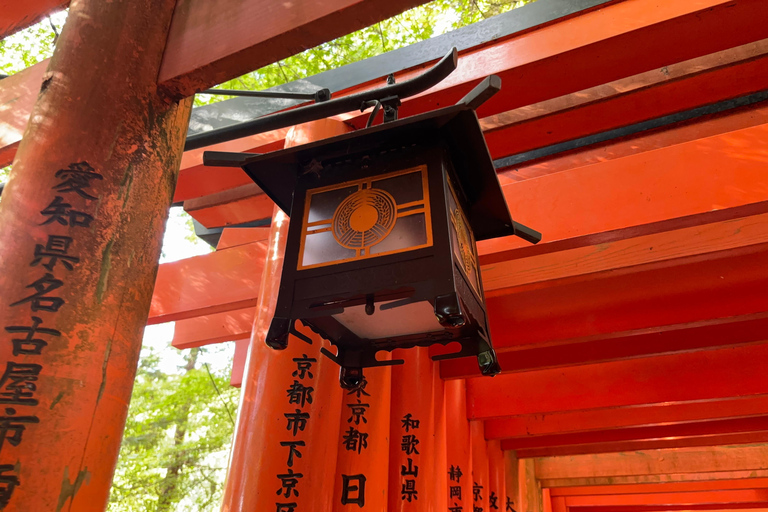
497 491
81 225
285 446
458 447
363 444
412 448
440 482
528 487
511 481
480 481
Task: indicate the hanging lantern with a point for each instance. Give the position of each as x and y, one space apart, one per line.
381 250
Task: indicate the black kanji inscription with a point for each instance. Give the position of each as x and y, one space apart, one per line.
29 344
354 440
411 470
38 300
293 451
18 383
288 483
408 444
353 490
56 250
297 421
12 427
408 490
358 412
77 178
299 394
7 484
493 501
455 474
62 212
409 422
303 366
476 490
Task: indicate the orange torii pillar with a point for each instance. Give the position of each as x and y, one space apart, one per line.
362 469
412 450
479 466
458 447
81 224
285 444
497 492
440 484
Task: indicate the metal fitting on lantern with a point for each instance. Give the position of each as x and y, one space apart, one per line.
381 251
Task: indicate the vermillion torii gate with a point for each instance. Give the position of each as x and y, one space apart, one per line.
632 134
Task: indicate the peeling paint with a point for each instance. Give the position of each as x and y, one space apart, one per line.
106 264
69 489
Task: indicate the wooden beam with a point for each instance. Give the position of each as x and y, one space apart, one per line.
16 15
252 34
18 93
681 298
690 498
215 328
710 485
709 461
680 430
530 425
707 375
204 285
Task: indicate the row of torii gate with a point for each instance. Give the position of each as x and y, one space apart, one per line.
632 133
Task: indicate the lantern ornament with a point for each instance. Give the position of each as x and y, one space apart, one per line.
381 250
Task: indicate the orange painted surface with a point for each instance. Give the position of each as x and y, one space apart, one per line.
277 419
68 386
440 483
671 487
246 203
640 189
215 328
233 237
412 450
497 489
523 426
363 443
458 445
480 466
208 284
282 431
651 380
730 439
18 94
724 497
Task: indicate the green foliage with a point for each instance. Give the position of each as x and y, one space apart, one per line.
30 46
162 405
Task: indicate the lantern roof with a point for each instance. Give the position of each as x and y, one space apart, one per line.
456 126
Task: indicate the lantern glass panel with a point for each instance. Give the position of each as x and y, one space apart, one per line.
463 241
415 318
365 218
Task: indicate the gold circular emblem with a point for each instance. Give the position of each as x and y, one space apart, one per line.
364 219
465 244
